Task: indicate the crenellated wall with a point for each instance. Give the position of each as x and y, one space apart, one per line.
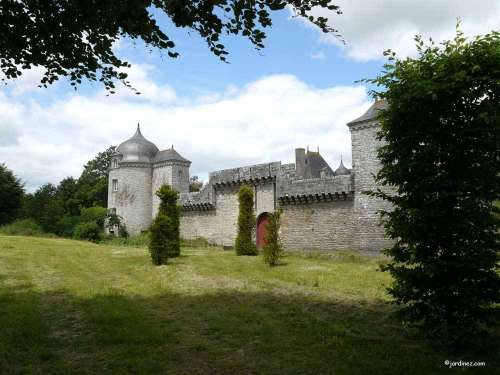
328 212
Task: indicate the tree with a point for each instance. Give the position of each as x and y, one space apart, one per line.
66 191
273 249
441 172
93 182
195 184
44 207
165 235
74 39
11 195
246 223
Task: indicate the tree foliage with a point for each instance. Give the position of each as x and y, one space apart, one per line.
441 172
195 184
74 39
11 195
45 208
244 244
165 234
273 249
59 209
93 183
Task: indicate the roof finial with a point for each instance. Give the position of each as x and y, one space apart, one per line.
172 146
138 131
318 149
307 148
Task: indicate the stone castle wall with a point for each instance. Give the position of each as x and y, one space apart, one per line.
368 229
219 226
171 173
318 226
133 198
328 213
161 175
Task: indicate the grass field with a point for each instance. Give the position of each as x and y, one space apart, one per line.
74 307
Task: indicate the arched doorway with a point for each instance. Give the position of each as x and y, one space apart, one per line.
262 221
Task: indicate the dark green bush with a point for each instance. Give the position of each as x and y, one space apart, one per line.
273 249
441 170
159 239
89 231
97 214
66 225
165 234
244 244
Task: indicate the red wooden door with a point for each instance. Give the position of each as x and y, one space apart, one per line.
261 229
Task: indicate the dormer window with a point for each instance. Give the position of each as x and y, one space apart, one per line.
115 163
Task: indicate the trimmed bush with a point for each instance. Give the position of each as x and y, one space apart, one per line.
159 241
244 244
165 235
273 249
89 231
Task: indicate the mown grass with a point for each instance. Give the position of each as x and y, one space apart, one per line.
75 307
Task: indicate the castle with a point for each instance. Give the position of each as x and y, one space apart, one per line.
323 209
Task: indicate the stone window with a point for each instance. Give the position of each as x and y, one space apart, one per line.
115 185
115 163
180 173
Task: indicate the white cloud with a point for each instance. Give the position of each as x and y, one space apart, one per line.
370 27
320 55
27 82
260 122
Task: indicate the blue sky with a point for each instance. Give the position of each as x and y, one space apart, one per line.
300 90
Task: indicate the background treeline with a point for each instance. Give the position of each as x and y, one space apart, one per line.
73 208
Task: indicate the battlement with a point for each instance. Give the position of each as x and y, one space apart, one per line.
198 201
248 174
293 191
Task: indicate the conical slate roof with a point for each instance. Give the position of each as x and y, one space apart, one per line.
371 113
137 149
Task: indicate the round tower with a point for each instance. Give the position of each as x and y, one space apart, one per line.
130 176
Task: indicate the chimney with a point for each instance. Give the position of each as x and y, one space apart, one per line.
300 163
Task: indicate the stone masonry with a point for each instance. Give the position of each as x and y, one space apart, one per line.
322 209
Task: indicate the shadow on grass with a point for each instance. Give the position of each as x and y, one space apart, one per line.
226 333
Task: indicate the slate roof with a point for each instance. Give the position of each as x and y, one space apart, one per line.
315 164
342 170
371 113
169 155
137 148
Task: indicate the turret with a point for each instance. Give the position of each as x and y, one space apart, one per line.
129 190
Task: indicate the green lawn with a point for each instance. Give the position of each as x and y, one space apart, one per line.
74 307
